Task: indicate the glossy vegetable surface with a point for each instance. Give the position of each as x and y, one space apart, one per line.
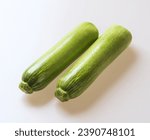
58 57
87 68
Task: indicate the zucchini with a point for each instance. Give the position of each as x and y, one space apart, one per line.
58 57
87 68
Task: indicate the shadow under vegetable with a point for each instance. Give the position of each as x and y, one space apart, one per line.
42 97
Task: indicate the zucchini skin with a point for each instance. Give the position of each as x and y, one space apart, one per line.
58 57
87 68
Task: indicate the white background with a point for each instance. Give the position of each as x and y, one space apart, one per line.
29 27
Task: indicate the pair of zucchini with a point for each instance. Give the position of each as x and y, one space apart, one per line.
99 54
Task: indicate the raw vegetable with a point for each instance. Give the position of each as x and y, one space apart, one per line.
87 68
57 58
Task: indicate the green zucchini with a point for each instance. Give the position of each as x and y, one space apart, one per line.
87 68
58 57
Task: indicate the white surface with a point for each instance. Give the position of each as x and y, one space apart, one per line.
29 27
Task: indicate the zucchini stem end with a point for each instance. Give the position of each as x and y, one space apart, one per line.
62 95
25 87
